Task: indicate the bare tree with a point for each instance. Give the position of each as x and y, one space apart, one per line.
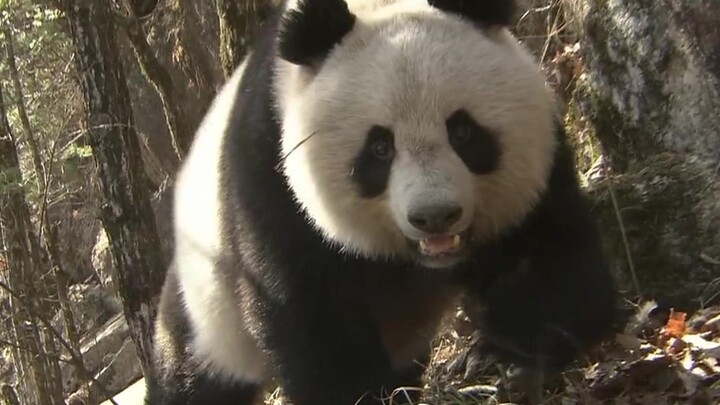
48 235
127 215
22 112
24 258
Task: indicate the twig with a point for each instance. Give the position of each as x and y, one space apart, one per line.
623 233
4 342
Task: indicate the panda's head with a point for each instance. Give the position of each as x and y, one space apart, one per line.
411 130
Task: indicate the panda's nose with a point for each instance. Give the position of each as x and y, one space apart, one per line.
434 218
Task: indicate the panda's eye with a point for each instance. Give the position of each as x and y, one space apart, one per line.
371 167
476 144
460 134
382 149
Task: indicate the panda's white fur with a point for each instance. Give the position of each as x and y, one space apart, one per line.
221 342
409 66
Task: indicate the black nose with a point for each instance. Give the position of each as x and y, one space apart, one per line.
434 218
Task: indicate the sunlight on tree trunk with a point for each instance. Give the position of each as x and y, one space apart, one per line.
238 20
127 215
8 395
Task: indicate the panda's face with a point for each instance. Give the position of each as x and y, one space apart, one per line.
417 137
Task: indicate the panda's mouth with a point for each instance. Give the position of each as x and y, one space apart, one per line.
439 246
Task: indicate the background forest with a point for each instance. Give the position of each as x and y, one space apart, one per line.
99 101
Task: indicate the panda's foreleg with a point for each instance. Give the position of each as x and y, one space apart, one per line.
185 371
324 347
546 309
552 295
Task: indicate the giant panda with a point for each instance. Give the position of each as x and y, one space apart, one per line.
368 167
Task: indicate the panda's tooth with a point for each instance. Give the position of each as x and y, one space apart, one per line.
456 240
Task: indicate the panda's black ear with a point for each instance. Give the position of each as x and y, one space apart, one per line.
483 12
312 28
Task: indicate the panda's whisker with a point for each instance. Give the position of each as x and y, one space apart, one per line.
287 155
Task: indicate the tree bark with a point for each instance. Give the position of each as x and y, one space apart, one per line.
653 76
8 395
231 31
238 21
187 50
159 77
650 93
127 215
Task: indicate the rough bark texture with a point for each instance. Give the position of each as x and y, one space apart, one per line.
231 31
650 93
654 81
238 20
127 215
8 395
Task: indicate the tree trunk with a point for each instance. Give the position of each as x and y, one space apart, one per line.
187 50
9 396
22 112
159 77
238 21
231 31
127 215
654 74
651 92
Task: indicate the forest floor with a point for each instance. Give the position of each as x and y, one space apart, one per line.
657 360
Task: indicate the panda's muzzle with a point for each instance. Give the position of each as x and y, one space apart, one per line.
435 219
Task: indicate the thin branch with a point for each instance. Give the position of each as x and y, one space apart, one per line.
75 359
53 356
623 233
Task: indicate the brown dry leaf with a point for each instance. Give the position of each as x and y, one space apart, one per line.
675 326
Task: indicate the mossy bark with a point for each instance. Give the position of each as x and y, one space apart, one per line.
653 79
669 212
126 215
650 97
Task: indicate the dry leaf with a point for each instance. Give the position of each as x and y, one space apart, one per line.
675 326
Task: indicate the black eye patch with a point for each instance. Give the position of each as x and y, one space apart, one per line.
371 168
476 145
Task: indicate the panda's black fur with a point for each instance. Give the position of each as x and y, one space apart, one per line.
543 289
